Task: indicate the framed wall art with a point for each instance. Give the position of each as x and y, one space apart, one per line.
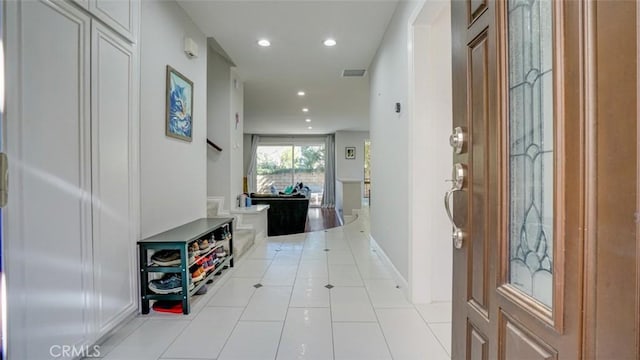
350 152
179 105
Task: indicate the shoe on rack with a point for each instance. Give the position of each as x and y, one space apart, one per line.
194 250
198 274
208 263
168 284
168 306
204 245
166 257
221 252
202 290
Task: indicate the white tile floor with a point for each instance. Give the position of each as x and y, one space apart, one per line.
293 315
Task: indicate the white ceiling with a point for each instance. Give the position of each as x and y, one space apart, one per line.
297 59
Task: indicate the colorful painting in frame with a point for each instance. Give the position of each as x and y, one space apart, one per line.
179 105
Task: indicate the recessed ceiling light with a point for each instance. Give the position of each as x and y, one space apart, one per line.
305 110
301 93
307 120
330 42
264 42
310 127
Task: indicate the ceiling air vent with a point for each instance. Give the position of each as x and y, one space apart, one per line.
353 72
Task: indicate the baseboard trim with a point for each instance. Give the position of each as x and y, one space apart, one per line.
397 277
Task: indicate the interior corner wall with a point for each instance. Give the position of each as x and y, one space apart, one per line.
237 136
246 155
225 99
172 172
350 169
389 209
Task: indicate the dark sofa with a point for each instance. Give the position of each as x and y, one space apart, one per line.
287 213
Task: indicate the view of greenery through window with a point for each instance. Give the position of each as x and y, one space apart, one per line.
280 166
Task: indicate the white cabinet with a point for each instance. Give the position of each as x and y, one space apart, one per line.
121 15
49 213
72 141
113 90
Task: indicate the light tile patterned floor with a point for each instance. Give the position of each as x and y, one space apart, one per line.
364 316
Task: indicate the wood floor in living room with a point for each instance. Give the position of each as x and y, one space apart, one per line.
321 219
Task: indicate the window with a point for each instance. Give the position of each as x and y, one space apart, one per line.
280 166
531 151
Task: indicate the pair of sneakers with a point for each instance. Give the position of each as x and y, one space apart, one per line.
168 284
223 233
166 257
169 257
198 274
207 263
221 252
204 245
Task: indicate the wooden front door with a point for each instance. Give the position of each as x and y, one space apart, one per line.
547 248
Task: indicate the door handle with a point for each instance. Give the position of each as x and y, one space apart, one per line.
457 235
447 208
458 182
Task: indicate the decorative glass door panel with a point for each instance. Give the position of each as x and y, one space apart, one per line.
531 148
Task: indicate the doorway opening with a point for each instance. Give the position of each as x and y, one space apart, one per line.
366 194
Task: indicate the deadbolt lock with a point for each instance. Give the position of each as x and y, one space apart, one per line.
457 139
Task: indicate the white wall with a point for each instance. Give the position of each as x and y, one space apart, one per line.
246 155
237 136
218 127
410 154
349 169
389 142
430 247
173 172
225 99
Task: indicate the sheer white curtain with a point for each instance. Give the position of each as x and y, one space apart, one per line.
329 195
251 171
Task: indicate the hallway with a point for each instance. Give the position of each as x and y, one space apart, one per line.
291 314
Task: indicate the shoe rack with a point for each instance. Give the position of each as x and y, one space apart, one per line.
181 239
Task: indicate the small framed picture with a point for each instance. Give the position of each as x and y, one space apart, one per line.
179 105
350 152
